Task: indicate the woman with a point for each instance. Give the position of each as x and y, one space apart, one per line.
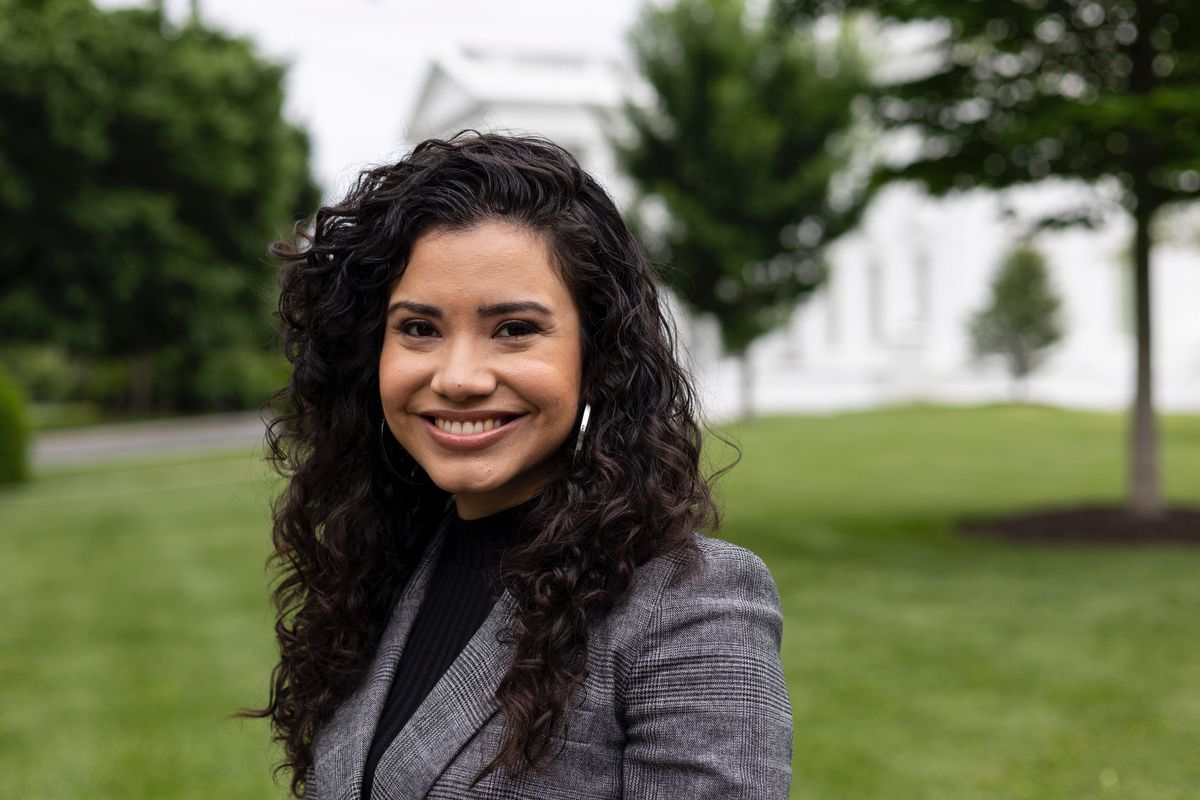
492 584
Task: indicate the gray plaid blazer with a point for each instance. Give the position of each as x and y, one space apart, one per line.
685 698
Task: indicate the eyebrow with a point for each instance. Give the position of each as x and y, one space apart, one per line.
523 306
416 308
492 310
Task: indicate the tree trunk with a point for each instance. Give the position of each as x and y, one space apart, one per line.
1018 372
747 384
1017 392
1145 499
141 383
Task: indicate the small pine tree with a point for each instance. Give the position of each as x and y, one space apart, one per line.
1021 321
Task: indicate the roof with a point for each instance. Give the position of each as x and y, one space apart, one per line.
461 80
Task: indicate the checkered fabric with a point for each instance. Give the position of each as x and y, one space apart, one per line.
685 698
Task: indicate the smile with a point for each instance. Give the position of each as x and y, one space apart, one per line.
469 434
467 428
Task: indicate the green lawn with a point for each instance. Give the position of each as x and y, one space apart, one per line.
920 665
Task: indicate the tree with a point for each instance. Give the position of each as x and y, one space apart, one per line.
142 171
1021 320
739 149
1095 90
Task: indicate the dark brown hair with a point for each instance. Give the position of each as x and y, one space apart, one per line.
348 532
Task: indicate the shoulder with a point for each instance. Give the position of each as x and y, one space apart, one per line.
720 570
725 593
701 692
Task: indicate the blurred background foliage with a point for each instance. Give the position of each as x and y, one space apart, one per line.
1014 91
767 109
143 169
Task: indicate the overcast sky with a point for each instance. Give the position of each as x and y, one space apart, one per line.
357 64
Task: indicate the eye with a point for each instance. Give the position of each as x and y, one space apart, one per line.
417 327
515 328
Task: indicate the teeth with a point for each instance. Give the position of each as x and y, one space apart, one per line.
467 428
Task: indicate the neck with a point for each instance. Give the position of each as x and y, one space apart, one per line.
474 507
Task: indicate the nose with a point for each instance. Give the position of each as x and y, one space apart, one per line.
463 372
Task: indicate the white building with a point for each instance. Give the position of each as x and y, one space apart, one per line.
890 324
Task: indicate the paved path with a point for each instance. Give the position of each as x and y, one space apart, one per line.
157 437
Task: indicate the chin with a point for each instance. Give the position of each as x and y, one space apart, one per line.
458 483
482 481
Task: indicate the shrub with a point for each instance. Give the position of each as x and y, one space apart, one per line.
107 384
227 379
14 432
45 371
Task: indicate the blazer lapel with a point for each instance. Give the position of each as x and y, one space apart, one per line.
457 706
342 746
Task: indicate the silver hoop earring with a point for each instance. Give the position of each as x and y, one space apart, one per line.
583 426
411 478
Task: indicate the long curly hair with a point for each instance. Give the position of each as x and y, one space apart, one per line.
348 532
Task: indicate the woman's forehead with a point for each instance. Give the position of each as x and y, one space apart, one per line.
488 260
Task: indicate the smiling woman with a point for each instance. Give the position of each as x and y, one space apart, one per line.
481 364
492 580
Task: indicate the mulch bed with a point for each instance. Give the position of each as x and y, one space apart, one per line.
1089 525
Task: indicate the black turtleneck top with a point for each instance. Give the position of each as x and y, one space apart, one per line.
461 592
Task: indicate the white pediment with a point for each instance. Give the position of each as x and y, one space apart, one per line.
443 99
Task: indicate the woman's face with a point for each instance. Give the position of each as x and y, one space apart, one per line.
479 373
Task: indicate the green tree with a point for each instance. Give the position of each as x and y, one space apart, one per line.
739 147
142 170
1020 90
1021 321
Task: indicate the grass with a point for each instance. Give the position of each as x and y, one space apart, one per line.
919 664
922 665
136 620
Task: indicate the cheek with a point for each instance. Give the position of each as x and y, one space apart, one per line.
397 378
558 394
558 375
387 378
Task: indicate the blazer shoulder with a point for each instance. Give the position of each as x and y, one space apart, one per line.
703 700
722 568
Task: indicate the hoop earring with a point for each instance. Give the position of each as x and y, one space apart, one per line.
583 426
411 478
